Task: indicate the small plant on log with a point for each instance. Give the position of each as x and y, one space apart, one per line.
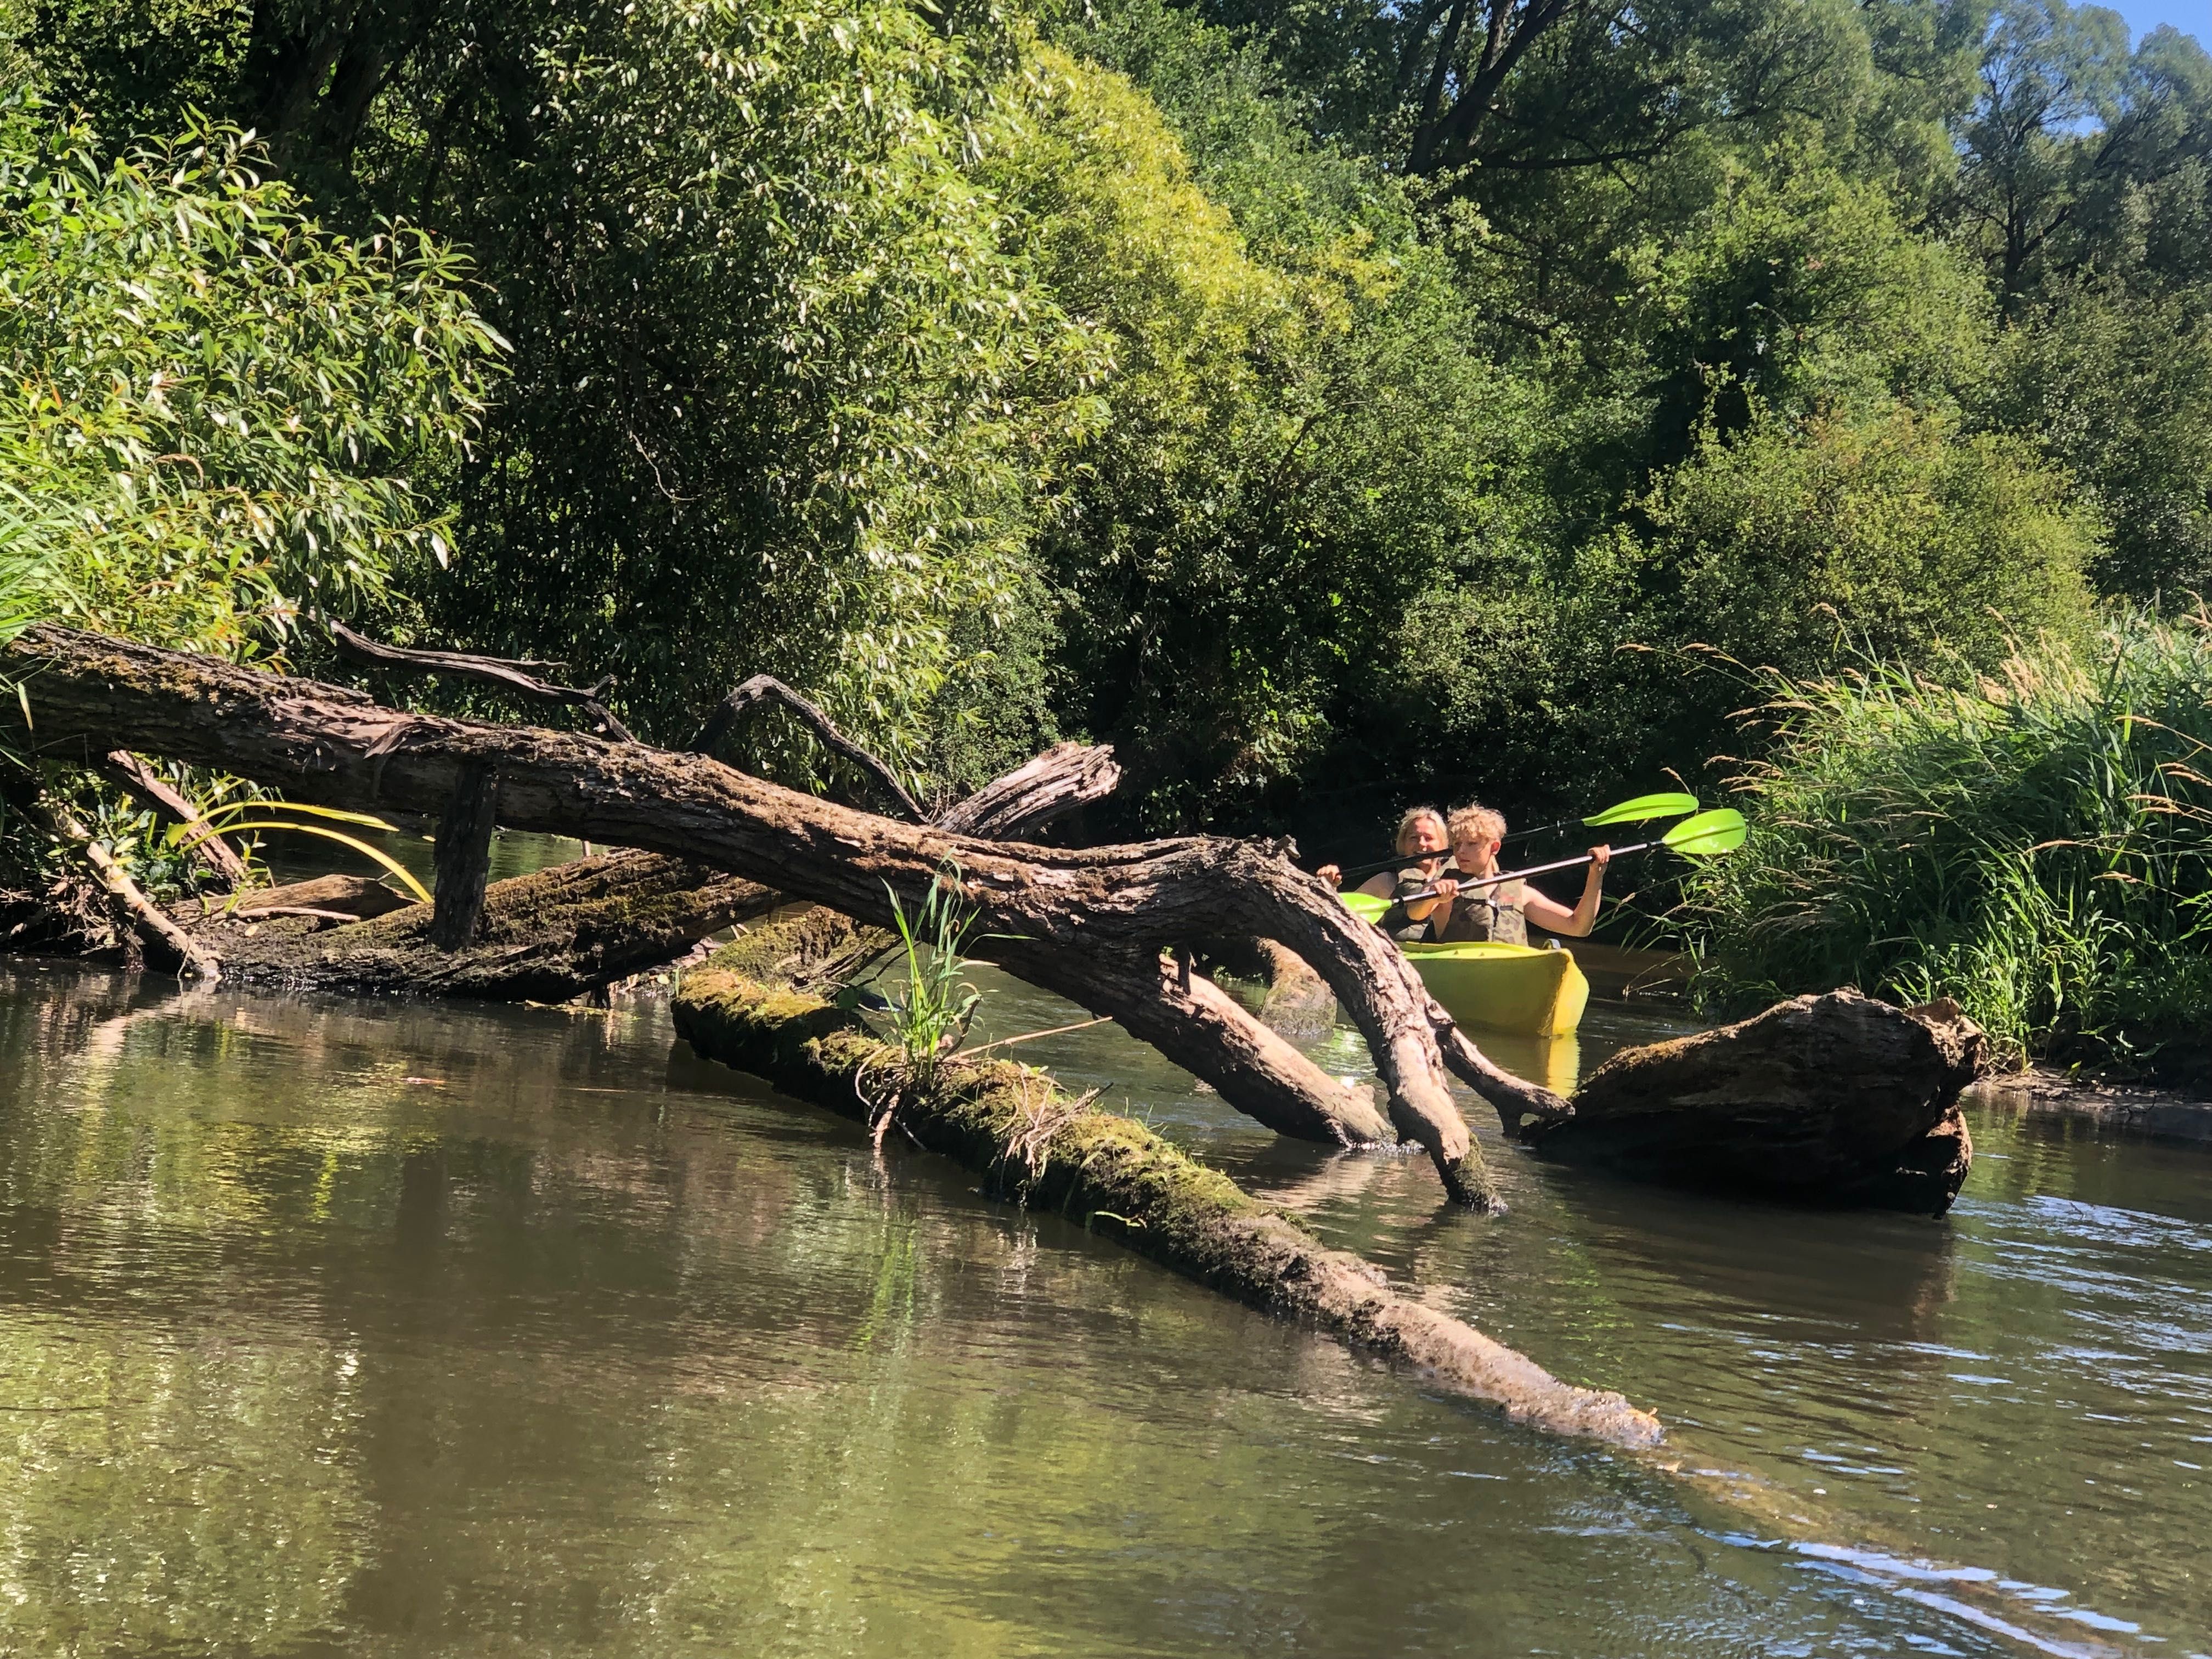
931 1013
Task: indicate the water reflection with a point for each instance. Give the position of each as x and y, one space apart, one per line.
351 1326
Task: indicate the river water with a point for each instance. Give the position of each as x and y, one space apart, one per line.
341 1326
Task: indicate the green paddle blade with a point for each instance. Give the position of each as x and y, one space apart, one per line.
1365 906
1707 834
1645 808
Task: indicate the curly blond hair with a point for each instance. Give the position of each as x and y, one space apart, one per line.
1473 823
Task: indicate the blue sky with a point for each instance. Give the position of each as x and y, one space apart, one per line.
2190 16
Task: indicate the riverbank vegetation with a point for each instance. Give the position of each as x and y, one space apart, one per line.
2035 844
1327 405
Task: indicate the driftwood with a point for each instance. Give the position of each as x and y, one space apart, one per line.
1114 1176
1838 1098
355 898
209 850
1088 923
517 675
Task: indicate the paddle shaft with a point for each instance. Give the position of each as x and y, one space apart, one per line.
1516 834
1469 886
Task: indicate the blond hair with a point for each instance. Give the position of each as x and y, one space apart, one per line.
1472 822
1403 840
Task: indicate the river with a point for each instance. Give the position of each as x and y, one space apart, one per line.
365 1326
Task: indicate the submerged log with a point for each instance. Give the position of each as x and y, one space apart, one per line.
1088 923
1837 1098
1110 1174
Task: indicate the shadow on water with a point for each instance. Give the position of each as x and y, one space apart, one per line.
345 1326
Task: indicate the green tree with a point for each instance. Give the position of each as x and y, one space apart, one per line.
1296 445
217 413
1886 535
2117 389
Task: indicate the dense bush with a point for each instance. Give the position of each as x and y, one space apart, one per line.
216 413
2036 844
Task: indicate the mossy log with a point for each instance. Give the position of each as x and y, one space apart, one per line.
1088 923
1838 1098
544 937
1032 1144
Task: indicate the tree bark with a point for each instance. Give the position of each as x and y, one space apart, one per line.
1836 1099
1063 780
1051 915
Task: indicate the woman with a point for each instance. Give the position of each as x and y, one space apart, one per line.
1421 841
1503 911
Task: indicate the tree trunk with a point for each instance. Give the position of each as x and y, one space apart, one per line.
1030 1142
1083 922
1838 1098
576 928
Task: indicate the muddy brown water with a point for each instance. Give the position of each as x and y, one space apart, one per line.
333 1326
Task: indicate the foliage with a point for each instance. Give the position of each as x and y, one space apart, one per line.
2036 845
783 394
1893 532
1799 291
216 413
1287 460
2119 390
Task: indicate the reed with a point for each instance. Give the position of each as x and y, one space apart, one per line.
2036 844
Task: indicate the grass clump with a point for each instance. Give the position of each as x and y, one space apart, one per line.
2036 844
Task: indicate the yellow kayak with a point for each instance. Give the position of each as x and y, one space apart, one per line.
1500 987
1505 987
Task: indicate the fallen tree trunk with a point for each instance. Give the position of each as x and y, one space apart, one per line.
1837 1098
1087 923
570 930
1032 1144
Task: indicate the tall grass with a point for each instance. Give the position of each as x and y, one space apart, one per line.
2036 845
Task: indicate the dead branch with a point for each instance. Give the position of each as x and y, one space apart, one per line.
518 674
765 689
138 781
195 957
